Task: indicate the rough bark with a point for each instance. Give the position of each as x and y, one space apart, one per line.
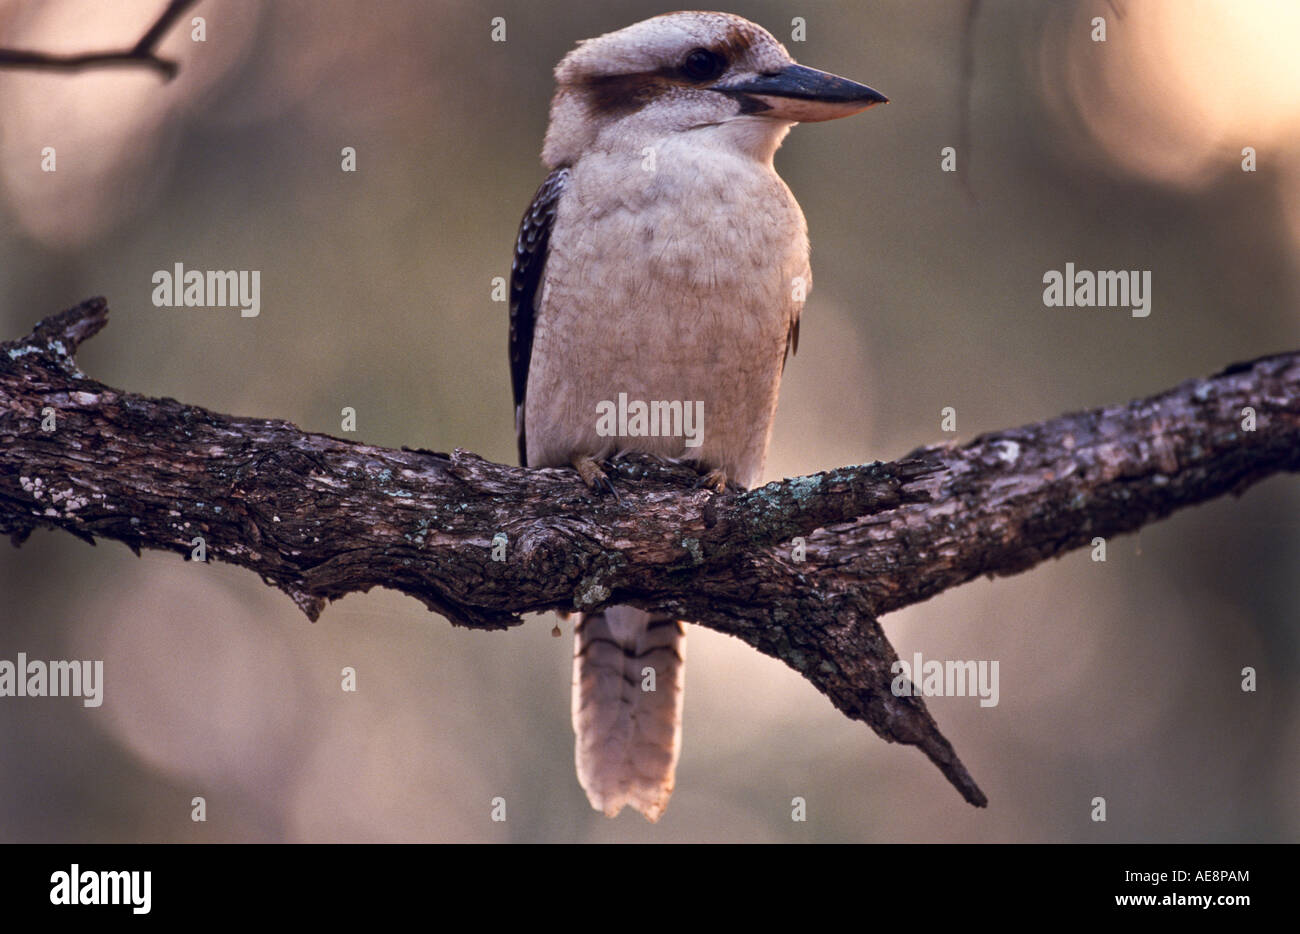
320 517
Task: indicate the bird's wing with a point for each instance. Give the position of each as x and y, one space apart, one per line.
526 288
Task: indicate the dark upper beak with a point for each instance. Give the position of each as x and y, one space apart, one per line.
803 95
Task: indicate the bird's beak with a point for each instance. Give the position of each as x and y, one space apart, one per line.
802 95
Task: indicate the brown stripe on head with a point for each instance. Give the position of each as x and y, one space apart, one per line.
621 95
737 41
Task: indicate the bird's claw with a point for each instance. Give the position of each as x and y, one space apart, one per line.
715 480
594 477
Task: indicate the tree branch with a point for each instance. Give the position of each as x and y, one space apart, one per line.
320 517
142 53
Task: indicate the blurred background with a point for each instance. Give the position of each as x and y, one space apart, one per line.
1119 679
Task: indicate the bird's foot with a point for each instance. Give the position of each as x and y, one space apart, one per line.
596 479
715 480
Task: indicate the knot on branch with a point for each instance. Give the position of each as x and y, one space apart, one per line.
57 337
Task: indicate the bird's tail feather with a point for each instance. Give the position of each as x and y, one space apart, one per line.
628 667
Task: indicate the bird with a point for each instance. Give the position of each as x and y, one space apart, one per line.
663 261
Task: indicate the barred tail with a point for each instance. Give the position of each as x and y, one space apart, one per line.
628 667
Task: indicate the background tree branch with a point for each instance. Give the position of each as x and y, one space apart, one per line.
143 52
321 517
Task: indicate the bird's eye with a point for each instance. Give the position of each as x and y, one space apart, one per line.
703 65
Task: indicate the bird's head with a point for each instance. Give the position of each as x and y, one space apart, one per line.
682 72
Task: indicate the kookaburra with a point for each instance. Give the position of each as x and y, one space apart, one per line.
662 261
